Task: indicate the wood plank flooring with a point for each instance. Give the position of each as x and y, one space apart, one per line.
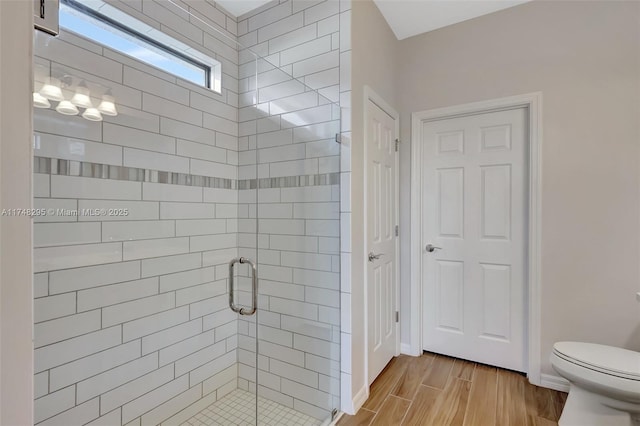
437 390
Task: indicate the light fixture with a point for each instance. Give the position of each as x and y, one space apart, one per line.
67 108
51 89
92 114
81 98
40 101
108 106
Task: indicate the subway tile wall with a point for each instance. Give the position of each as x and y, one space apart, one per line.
132 322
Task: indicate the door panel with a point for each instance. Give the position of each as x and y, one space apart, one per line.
451 201
474 195
381 221
495 194
450 282
496 286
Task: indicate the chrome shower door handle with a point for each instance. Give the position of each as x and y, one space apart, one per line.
233 307
254 287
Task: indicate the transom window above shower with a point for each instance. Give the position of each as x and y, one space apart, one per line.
113 28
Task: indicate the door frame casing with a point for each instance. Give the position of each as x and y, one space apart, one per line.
533 103
371 96
16 239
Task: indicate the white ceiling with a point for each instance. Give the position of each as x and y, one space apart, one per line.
240 7
409 17
412 17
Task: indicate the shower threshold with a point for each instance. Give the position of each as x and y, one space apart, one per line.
238 408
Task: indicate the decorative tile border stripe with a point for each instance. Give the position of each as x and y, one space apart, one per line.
55 166
290 181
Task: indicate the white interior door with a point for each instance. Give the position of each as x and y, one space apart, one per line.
474 214
381 239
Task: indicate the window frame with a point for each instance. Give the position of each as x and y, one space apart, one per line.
208 69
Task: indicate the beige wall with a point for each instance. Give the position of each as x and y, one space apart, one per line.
16 320
373 64
585 59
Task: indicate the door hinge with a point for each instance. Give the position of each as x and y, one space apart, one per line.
397 316
397 144
397 231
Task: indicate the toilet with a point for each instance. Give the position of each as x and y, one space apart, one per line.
605 384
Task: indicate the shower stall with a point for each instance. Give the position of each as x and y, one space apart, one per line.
187 225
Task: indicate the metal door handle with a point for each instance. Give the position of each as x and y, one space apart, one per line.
373 256
254 287
431 248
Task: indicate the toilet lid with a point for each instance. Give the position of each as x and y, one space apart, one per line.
607 359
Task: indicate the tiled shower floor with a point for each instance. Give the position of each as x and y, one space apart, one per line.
238 408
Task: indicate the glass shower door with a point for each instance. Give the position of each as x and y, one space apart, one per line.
297 211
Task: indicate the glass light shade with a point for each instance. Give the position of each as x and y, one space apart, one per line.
92 114
107 106
51 90
81 98
67 108
40 101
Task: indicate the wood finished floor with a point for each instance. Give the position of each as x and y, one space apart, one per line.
437 390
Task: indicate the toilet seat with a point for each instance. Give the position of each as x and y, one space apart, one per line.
609 360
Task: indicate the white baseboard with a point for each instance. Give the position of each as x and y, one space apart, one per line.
554 382
406 349
360 397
